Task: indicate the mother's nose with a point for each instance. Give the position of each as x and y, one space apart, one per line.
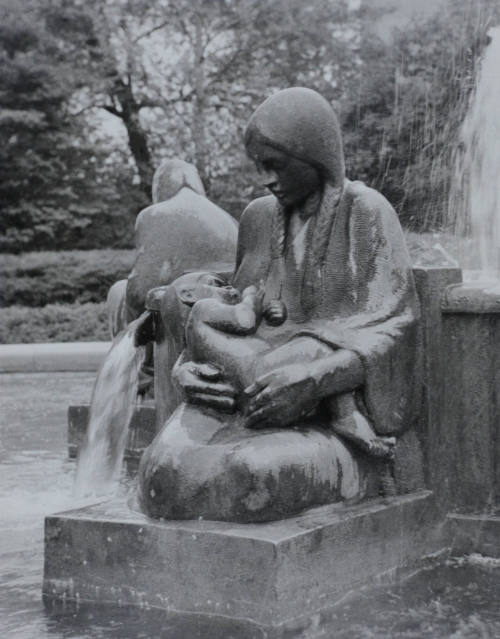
268 178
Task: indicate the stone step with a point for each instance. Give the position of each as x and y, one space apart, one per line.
276 578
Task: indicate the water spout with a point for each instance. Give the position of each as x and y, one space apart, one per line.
474 205
112 406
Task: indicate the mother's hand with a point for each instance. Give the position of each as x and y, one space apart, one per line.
280 397
202 384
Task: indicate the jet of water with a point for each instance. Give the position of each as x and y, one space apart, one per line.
474 206
112 406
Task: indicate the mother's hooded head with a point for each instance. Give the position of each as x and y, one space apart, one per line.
302 124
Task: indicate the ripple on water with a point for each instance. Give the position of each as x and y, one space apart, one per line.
458 599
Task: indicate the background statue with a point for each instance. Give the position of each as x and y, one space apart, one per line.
332 252
182 230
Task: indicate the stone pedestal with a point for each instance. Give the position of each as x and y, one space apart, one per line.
276 577
432 283
468 444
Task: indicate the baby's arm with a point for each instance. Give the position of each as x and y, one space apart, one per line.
275 313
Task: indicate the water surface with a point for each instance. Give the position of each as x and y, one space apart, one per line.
456 600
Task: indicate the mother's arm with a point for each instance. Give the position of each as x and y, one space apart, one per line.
204 384
297 382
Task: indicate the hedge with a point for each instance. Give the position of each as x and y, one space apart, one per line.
54 323
52 277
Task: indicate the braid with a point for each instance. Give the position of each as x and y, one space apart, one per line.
278 238
318 242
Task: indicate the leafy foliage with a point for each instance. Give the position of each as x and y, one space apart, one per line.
37 279
55 187
401 130
182 76
54 323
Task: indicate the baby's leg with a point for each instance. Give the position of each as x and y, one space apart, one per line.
349 422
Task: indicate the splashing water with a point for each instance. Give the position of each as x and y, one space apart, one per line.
474 206
111 409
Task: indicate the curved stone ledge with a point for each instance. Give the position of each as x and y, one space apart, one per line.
472 297
52 357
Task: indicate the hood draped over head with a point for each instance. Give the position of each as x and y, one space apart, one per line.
302 124
171 176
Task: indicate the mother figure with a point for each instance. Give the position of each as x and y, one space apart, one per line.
332 251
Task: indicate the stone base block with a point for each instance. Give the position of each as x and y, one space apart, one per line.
474 534
274 578
141 431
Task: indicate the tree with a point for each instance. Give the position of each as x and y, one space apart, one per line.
402 123
54 182
183 76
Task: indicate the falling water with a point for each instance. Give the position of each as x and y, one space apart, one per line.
475 195
111 409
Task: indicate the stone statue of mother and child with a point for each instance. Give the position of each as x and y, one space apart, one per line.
298 377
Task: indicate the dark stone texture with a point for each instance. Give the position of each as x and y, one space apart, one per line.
346 355
212 467
278 576
470 426
181 231
408 463
431 285
472 298
474 534
460 419
141 431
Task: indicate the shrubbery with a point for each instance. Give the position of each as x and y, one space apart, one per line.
37 279
54 323
69 286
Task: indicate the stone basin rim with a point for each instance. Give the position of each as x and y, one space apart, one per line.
45 357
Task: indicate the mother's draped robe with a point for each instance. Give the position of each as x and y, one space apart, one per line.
355 287
353 290
365 297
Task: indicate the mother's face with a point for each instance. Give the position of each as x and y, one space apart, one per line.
290 180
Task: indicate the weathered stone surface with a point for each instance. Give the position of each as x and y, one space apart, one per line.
474 534
185 232
472 297
141 431
276 576
431 285
52 356
470 425
332 253
213 467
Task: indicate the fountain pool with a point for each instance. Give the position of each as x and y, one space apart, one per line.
455 599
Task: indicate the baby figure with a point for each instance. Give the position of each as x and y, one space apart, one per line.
220 329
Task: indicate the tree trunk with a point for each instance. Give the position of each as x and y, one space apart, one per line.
137 138
199 134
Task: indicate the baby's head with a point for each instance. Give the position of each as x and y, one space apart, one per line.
192 287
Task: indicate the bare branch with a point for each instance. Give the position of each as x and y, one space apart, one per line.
111 109
150 103
149 32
